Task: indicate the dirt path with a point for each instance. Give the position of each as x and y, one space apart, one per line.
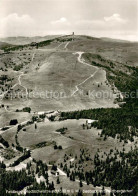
19 78
33 56
59 45
18 83
92 75
66 45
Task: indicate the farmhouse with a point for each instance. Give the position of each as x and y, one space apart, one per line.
41 113
54 113
89 121
56 173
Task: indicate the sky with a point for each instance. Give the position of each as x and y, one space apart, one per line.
98 18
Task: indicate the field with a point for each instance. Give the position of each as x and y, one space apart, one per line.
72 141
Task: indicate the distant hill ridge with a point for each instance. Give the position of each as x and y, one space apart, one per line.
15 43
4 45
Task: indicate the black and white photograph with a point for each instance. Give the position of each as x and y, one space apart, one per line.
69 97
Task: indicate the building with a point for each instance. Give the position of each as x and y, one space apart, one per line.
41 113
89 121
56 173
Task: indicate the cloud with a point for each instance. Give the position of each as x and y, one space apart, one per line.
113 22
24 25
62 20
115 18
16 19
14 25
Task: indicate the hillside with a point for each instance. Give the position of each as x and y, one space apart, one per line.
68 115
114 40
26 40
4 45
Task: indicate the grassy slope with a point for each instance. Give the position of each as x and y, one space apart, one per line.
124 76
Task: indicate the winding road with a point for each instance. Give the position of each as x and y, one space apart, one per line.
66 45
92 75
